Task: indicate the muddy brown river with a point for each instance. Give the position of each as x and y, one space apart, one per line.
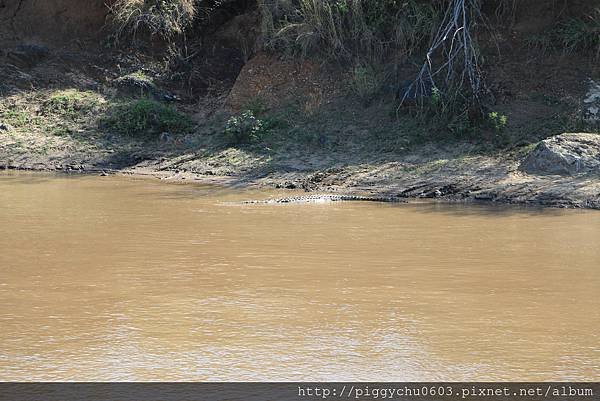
108 278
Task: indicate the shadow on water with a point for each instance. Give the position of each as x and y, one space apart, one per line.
469 209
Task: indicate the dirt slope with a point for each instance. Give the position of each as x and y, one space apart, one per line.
51 20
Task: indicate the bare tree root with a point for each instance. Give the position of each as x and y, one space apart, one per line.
454 46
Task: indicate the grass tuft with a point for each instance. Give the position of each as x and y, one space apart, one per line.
364 82
580 34
344 30
146 119
70 103
164 18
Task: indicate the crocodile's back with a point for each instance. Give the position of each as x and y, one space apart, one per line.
326 198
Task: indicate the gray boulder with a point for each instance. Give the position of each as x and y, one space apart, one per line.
566 154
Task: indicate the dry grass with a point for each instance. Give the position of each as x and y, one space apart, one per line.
580 34
164 18
346 30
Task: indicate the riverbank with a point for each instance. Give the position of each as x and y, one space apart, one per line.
449 173
294 125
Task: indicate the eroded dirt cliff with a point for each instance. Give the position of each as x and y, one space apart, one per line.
53 21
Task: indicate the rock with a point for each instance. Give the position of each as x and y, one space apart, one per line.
591 104
5 127
566 154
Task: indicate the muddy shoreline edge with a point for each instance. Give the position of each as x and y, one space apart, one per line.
503 184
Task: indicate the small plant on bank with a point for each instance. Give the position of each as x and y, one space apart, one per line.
446 114
146 118
364 82
497 121
15 117
244 128
70 103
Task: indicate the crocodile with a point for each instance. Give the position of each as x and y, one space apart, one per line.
327 198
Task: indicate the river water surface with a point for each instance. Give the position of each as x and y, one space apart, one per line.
108 278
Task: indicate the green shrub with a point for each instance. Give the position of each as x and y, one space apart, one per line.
146 118
70 103
497 121
15 116
450 108
449 114
244 128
